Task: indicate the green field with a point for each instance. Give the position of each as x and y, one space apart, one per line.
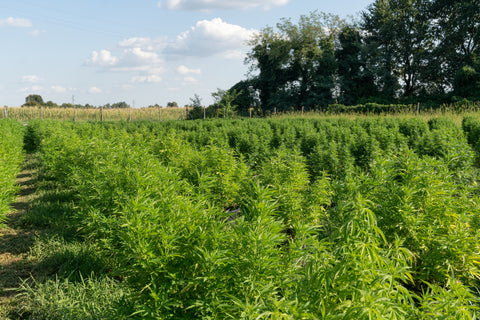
280 218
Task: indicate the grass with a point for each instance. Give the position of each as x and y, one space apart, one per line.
45 272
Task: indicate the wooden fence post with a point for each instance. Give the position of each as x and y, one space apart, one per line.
101 113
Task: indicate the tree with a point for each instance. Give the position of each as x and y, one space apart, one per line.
117 105
246 96
51 104
196 111
296 62
456 26
224 100
355 81
467 82
33 100
172 105
397 33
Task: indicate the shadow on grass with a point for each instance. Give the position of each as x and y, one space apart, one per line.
49 211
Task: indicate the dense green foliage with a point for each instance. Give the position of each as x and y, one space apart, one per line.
400 51
11 158
281 218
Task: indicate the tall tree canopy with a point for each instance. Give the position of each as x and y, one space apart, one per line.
296 62
401 50
397 32
355 80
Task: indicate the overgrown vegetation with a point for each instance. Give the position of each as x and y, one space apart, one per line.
275 218
11 159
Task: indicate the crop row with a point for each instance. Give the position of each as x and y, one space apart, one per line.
11 159
287 218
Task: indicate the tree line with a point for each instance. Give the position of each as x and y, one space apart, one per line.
400 51
36 100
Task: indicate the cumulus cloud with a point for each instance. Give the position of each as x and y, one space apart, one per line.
131 59
208 5
147 44
184 70
104 58
209 37
136 59
16 22
31 79
146 79
94 90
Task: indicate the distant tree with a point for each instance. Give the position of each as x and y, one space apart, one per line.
120 105
246 96
195 109
51 104
172 104
33 100
224 99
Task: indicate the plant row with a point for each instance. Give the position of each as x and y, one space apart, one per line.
284 219
11 159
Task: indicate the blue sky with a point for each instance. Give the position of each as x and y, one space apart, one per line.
143 51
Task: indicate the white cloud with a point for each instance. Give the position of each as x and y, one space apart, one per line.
104 58
15 22
136 59
58 89
207 5
209 37
144 79
31 79
94 90
184 70
131 59
147 44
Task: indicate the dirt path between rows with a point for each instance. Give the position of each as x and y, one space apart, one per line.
15 241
